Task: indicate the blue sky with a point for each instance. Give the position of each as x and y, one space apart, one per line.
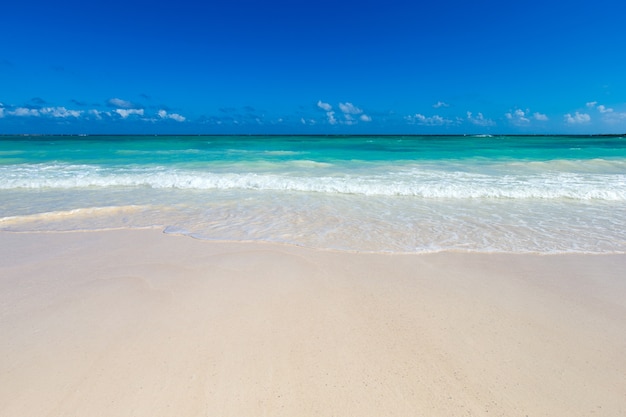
395 67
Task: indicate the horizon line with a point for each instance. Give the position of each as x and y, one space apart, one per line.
3 135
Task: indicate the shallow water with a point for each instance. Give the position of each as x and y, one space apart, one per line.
545 194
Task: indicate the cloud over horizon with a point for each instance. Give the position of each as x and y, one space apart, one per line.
349 108
173 116
479 120
577 118
518 117
124 113
324 106
351 114
420 119
342 116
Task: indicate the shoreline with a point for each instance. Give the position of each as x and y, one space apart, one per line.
137 322
278 244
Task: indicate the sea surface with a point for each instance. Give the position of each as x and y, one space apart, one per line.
515 194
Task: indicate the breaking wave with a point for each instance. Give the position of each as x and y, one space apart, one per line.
409 182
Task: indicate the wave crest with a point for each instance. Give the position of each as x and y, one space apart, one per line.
421 183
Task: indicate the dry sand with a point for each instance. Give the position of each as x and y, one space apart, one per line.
137 323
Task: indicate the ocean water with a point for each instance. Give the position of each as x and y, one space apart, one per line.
516 194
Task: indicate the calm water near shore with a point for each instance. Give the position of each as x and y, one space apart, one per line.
545 194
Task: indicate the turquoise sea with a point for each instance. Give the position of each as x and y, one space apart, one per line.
519 194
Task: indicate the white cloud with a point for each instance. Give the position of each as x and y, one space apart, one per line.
331 117
518 117
98 114
330 114
60 112
1 112
420 119
349 111
609 115
349 108
601 108
177 117
124 113
479 119
23 111
577 118
440 104
118 102
324 106
174 116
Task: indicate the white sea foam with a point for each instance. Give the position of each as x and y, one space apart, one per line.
60 215
334 221
408 225
412 182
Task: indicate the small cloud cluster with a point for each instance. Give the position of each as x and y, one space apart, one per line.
577 118
479 120
351 113
97 114
349 108
520 117
124 113
56 112
324 106
330 114
440 104
608 114
24 112
121 109
600 107
61 112
173 116
435 120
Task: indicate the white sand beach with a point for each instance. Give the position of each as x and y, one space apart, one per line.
138 323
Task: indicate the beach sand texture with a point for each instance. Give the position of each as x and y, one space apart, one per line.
138 323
